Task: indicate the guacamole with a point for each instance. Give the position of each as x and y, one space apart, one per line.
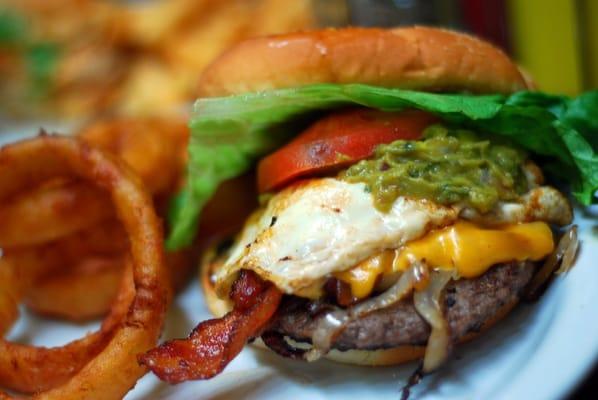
448 166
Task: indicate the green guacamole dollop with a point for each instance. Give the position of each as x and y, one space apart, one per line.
449 166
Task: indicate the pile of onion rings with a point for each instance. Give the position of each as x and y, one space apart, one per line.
67 228
67 253
102 364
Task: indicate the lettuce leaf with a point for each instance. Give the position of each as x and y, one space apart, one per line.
229 134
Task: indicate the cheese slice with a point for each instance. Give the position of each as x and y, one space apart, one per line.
464 248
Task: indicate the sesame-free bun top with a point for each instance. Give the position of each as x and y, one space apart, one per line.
418 58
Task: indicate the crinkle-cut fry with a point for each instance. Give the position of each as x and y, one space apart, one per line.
112 371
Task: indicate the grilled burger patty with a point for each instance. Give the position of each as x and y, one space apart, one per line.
469 304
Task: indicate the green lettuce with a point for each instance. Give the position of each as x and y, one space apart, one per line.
229 134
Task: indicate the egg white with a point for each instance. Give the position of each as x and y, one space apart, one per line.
317 227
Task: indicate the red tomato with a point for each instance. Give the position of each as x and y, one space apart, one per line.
338 140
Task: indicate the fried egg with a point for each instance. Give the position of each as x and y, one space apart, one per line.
317 227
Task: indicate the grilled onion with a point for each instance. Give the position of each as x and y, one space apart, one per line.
427 303
333 323
560 261
568 246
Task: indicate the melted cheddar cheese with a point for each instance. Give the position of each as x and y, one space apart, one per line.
464 248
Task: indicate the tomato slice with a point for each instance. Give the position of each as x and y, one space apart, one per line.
338 140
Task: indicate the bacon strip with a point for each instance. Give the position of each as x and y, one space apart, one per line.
215 343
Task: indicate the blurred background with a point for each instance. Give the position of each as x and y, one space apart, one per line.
80 58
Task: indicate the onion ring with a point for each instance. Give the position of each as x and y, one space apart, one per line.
50 212
18 269
156 148
107 239
66 293
49 259
62 207
38 369
332 323
83 293
113 371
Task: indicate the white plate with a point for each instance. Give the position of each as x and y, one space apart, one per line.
539 351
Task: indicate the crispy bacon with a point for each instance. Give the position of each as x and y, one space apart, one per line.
214 343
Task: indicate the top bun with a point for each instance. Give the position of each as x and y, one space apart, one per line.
418 58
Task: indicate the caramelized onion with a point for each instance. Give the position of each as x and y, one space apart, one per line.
562 258
277 343
333 323
427 303
569 244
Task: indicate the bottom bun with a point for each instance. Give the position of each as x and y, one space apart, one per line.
217 306
370 358
382 357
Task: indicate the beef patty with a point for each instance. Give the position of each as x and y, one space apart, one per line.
469 304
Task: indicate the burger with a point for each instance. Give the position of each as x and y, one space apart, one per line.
403 208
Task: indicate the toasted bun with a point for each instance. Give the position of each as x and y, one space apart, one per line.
418 58
217 306
393 356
